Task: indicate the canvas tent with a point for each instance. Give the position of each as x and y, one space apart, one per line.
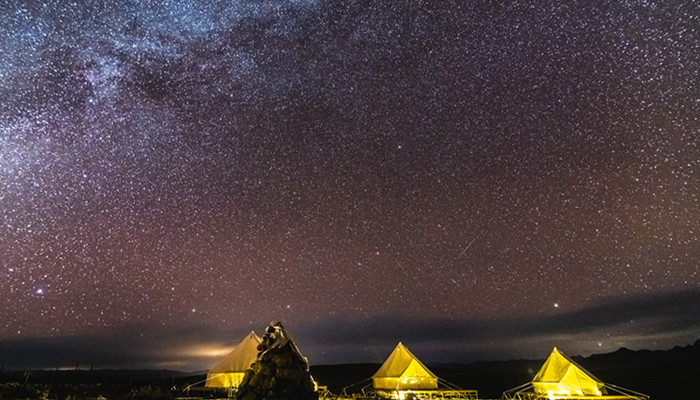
403 371
228 372
561 378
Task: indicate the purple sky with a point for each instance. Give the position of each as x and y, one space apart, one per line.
480 180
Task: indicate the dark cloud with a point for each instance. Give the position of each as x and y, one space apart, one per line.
671 318
664 319
674 310
131 346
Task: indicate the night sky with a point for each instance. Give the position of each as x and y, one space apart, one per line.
477 179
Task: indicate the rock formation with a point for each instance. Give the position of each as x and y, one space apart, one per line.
280 371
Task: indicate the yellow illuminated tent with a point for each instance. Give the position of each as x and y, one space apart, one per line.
228 372
561 378
402 371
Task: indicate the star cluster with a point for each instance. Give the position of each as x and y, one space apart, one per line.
165 165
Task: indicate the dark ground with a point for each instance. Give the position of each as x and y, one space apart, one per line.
664 375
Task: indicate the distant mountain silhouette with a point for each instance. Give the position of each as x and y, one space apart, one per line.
662 374
127 377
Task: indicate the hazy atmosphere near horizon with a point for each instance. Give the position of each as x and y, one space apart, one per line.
476 179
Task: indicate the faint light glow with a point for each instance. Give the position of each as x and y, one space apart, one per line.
556 305
204 351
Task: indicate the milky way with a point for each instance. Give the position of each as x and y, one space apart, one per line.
184 172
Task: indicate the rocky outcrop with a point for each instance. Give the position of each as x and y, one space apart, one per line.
280 371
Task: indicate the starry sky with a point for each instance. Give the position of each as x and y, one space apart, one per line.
478 179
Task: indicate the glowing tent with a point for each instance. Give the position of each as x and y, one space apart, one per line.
228 372
402 371
561 378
